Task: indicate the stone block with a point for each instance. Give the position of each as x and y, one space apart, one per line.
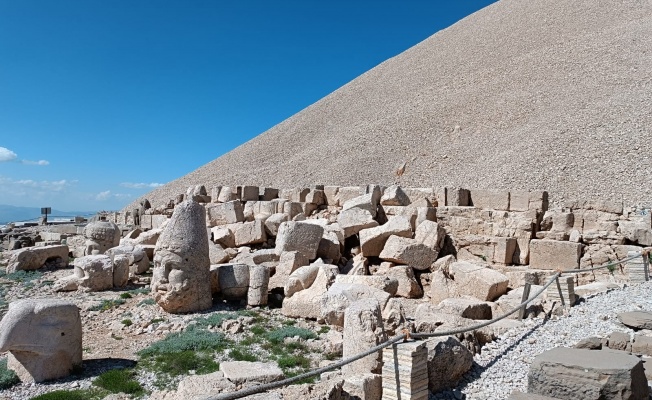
564 373
551 254
299 236
490 199
224 213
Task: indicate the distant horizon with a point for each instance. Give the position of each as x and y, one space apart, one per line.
102 102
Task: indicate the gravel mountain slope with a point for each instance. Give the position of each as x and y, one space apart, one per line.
552 94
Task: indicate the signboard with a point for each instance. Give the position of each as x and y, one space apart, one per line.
46 210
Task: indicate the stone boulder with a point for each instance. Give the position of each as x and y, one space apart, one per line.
94 273
466 307
289 261
565 373
448 361
31 258
552 254
43 338
384 283
299 236
300 279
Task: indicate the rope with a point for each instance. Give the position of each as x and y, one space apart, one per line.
269 386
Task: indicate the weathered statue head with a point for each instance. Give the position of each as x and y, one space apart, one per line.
181 277
43 337
101 236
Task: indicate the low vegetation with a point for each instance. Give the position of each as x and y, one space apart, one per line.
8 378
107 305
119 381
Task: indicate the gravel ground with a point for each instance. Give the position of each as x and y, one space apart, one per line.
503 365
549 94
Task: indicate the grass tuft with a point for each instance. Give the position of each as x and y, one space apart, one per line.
175 364
119 381
107 305
278 335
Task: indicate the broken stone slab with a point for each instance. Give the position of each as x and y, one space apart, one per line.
234 280
216 254
564 372
248 233
430 234
636 319
94 273
551 254
273 222
367 202
241 372
32 258
373 240
642 344
299 236
516 395
43 338
138 259
364 386
402 250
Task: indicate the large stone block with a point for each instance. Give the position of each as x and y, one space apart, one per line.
571 374
341 295
31 258
363 329
373 240
299 236
354 220
551 254
448 361
490 199
410 252
224 213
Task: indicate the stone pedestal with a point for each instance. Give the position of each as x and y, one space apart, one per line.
637 269
567 284
405 371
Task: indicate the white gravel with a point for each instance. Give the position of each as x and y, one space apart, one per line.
504 364
552 95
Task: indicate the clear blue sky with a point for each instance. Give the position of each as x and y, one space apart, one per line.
100 101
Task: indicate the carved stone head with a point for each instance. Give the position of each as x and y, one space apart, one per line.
101 236
181 277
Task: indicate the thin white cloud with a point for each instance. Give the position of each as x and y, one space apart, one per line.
131 185
101 196
7 155
39 162
106 195
56 186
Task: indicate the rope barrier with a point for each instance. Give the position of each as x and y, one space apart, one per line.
269 386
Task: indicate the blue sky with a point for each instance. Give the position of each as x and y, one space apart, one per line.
101 101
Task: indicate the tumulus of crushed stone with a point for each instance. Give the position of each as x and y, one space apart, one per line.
552 94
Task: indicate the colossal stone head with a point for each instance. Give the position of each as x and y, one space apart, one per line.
101 236
181 278
43 337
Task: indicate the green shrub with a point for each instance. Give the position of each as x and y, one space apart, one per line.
191 339
258 330
242 355
291 361
21 276
277 336
140 291
216 319
126 295
156 320
289 322
324 329
127 322
107 305
147 302
8 378
81 394
119 381
175 364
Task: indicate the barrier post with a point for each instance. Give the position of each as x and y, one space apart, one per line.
526 295
561 295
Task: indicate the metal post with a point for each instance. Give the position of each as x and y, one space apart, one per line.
526 295
646 266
